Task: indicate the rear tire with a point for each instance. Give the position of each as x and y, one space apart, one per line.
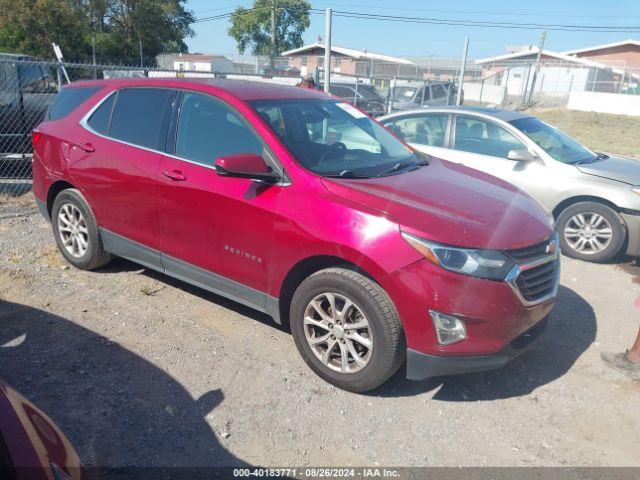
362 329
76 231
591 231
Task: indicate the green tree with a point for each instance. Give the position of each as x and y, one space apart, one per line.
29 27
117 26
251 28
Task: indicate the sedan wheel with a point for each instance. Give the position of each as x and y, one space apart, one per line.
588 233
591 231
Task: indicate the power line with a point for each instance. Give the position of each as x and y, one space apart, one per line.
474 12
485 24
444 21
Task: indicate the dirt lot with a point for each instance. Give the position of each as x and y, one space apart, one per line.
601 132
139 369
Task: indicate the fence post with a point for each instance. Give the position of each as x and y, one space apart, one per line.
355 95
327 50
424 87
462 68
392 86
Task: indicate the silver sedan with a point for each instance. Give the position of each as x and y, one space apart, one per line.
594 197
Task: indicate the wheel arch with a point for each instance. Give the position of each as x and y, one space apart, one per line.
302 270
582 198
55 188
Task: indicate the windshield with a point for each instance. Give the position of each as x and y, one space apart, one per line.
404 93
553 141
334 138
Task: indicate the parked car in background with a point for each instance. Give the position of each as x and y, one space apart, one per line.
26 91
31 445
414 95
594 197
365 97
299 205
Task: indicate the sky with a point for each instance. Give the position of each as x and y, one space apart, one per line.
411 40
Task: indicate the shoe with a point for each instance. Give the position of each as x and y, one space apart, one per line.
620 362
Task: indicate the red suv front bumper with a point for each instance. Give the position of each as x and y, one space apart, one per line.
500 323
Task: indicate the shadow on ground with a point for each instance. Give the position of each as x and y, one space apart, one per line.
572 328
116 408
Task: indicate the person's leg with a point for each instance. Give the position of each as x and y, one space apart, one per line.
627 363
633 355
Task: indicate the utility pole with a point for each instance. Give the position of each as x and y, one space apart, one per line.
273 35
537 69
140 45
93 56
327 51
463 65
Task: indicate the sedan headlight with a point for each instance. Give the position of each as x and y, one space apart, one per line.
487 264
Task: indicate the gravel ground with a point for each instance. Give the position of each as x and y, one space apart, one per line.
139 369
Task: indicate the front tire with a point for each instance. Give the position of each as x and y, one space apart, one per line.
591 231
76 231
347 329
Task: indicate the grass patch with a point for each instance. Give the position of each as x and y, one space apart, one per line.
602 132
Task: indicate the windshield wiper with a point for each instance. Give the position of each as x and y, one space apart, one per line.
401 165
344 174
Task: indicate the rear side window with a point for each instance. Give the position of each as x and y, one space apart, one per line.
99 120
139 116
423 130
68 100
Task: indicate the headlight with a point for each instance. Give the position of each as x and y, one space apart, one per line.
488 264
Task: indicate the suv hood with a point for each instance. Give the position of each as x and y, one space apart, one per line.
452 204
626 170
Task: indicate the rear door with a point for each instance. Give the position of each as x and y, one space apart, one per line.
115 158
215 231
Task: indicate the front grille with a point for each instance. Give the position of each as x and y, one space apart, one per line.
538 270
538 282
526 254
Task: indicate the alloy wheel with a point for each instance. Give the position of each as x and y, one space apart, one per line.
338 332
588 233
72 229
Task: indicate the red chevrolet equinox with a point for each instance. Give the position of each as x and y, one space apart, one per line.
301 206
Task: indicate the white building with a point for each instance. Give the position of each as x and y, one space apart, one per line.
203 63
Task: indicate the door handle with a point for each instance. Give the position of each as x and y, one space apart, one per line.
175 175
86 147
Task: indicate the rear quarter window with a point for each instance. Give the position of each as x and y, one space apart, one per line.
139 115
68 100
99 120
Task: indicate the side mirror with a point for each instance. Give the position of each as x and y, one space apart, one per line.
521 156
246 165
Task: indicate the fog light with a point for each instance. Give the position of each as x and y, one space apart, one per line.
449 329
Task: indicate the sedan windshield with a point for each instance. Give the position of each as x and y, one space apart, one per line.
335 139
554 141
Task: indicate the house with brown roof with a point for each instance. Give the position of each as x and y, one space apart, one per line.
622 55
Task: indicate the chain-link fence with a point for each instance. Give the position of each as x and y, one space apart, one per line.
27 89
